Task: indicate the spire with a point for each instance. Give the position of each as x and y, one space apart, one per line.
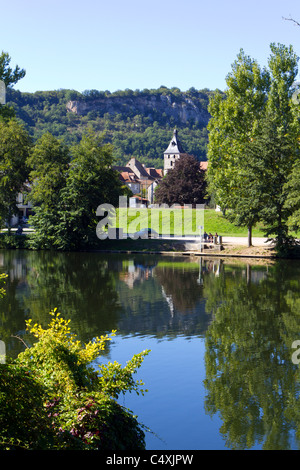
175 146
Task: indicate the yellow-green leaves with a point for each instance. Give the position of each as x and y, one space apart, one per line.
64 363
115 380
2 290
76 402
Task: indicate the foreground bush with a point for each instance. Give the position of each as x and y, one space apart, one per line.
11 241
52 398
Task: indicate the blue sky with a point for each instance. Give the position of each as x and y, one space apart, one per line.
117 44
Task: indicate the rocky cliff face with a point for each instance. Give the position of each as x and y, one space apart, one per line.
182 109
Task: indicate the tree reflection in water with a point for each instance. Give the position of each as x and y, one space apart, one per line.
80 285
250 378
247 313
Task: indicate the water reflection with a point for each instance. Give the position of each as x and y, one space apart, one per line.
248 314
161 298
250 378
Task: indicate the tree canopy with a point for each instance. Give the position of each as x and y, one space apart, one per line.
67 190
184 184
253 141
7 74
129 123
15 147
9 77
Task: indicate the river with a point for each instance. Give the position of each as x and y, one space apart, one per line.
223 370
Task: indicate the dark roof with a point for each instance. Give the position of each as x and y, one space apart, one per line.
135 171
138 166
128 177
123 168
175 145
155 172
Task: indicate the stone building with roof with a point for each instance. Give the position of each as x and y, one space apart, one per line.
139 179
142 180
173 152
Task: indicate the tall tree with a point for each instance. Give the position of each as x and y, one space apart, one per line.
273 152
67 201
48 163
236 159
91 181
7 74
15 145
277 144
10 77
184 184
233 124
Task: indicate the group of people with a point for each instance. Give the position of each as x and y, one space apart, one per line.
209 237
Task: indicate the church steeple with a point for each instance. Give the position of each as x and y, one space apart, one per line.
173 152
175 146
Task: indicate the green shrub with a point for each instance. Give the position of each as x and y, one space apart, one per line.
23 418
52 398
11 241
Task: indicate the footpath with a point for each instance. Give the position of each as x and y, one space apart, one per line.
238 247
233 247
243 241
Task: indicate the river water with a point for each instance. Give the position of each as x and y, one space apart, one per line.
223 369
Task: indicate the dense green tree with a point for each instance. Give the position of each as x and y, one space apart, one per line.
15 145
10 77
277 145
7 74
184 184
91 181
66 219
233 123
49 162
273 152
238 171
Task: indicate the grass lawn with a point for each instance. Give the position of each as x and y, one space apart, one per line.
172 221
216 222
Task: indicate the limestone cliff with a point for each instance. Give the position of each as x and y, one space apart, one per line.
183 108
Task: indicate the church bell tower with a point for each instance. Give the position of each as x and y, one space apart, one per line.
173 152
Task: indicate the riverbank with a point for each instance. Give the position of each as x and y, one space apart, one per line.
237 250
229 247
234 247
234 239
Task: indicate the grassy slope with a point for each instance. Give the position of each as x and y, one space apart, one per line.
216 222
213 222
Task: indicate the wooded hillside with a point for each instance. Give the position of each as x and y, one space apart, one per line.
137 123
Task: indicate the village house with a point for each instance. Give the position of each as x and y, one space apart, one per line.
140 180
143 181
24 208
129 178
